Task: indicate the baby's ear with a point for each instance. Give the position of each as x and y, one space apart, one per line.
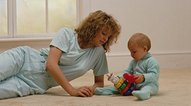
145 48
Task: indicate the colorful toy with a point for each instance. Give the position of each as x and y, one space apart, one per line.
125 85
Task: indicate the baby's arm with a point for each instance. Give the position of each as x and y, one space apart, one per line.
129 69
152 71
140 79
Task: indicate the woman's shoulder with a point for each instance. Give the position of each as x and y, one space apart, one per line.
66 30
99 50
66 33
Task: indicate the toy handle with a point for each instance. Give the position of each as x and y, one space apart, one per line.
131 78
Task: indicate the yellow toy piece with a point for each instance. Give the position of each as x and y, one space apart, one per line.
119 83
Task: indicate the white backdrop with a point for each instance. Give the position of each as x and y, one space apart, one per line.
166 22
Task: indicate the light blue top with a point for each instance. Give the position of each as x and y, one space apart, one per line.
75 61
147 66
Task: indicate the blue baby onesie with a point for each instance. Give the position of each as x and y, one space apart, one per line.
23 71
147 66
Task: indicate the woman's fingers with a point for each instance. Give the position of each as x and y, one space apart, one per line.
85 92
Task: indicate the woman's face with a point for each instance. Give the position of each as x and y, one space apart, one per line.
101 37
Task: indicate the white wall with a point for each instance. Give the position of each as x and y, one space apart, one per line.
166 22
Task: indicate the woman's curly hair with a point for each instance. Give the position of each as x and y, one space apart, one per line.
97 20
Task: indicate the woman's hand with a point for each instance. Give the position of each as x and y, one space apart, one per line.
88 91
84 91
140 79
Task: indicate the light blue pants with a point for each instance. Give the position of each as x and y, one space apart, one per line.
144 93
22 72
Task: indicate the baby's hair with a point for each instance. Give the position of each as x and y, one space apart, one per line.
140 39
97 20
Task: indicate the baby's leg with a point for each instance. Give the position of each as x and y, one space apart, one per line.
143 94
10 62
13 87
109 90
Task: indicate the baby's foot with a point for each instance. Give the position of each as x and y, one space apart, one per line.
141 95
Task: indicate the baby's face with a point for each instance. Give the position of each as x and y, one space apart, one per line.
137 52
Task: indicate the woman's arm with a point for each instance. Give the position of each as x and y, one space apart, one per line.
56 73
98 82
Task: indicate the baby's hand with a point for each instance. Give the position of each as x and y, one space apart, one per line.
109 75
140 79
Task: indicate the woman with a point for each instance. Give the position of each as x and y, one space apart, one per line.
25 71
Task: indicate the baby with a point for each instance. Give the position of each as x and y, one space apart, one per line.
143 66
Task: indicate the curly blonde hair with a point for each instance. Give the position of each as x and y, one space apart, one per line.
97 20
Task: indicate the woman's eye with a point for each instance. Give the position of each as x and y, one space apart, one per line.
103 33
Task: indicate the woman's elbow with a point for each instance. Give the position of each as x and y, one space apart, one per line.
48 66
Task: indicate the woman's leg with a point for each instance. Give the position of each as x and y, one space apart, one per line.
22 73
13 87
11 62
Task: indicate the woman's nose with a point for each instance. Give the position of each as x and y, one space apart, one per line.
105 39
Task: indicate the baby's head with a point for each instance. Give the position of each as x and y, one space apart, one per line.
139 44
